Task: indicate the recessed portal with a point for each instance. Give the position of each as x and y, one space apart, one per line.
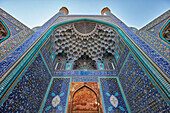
84 98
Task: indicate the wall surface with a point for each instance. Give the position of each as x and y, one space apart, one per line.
29 91
18 34
112 97
140 92
37 87
57 96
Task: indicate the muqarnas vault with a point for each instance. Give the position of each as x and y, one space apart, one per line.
84 64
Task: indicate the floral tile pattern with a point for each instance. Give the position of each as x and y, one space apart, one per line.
29 92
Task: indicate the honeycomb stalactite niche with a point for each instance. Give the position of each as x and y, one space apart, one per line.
96 40
84 28
84 62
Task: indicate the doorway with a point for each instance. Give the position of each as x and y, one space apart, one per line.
84 98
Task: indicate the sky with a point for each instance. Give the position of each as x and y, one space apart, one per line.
134 13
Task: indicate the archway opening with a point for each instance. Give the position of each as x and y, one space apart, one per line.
166 32
85 100
3 32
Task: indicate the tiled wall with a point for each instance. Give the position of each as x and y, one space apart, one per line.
152 37
29 92
85 79
57 96
14 29
111 95
156 29
149 47
122 58
159 45
46 54
16 53
140 92
18 33
156 20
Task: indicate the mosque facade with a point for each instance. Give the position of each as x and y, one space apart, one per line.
84 64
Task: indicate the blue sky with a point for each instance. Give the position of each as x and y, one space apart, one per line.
136 13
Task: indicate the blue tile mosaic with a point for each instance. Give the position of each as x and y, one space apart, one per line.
156 57
13 43
28 93
156 21
85 79
57 97
47 58
112 97
13 28
87 73
122 58
156 29
140 92
18 33
6 63
157 44
12 19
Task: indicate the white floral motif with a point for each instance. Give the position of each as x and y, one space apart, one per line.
56 101
114 101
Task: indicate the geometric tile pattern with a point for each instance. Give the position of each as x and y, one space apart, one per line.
156 21
12 19
156 43
147 48
13 42
122 58
87 73
28 93
94 44
47 58
119 48
45 52
112 97
18 33
140 92
13 56
151 34
156 29
14 29
85 79
57 96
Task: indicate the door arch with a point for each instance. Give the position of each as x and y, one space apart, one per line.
85 100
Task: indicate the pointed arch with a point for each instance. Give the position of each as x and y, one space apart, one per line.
84 99
4 29
163 34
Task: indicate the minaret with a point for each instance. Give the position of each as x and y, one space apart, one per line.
64 10
105 10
